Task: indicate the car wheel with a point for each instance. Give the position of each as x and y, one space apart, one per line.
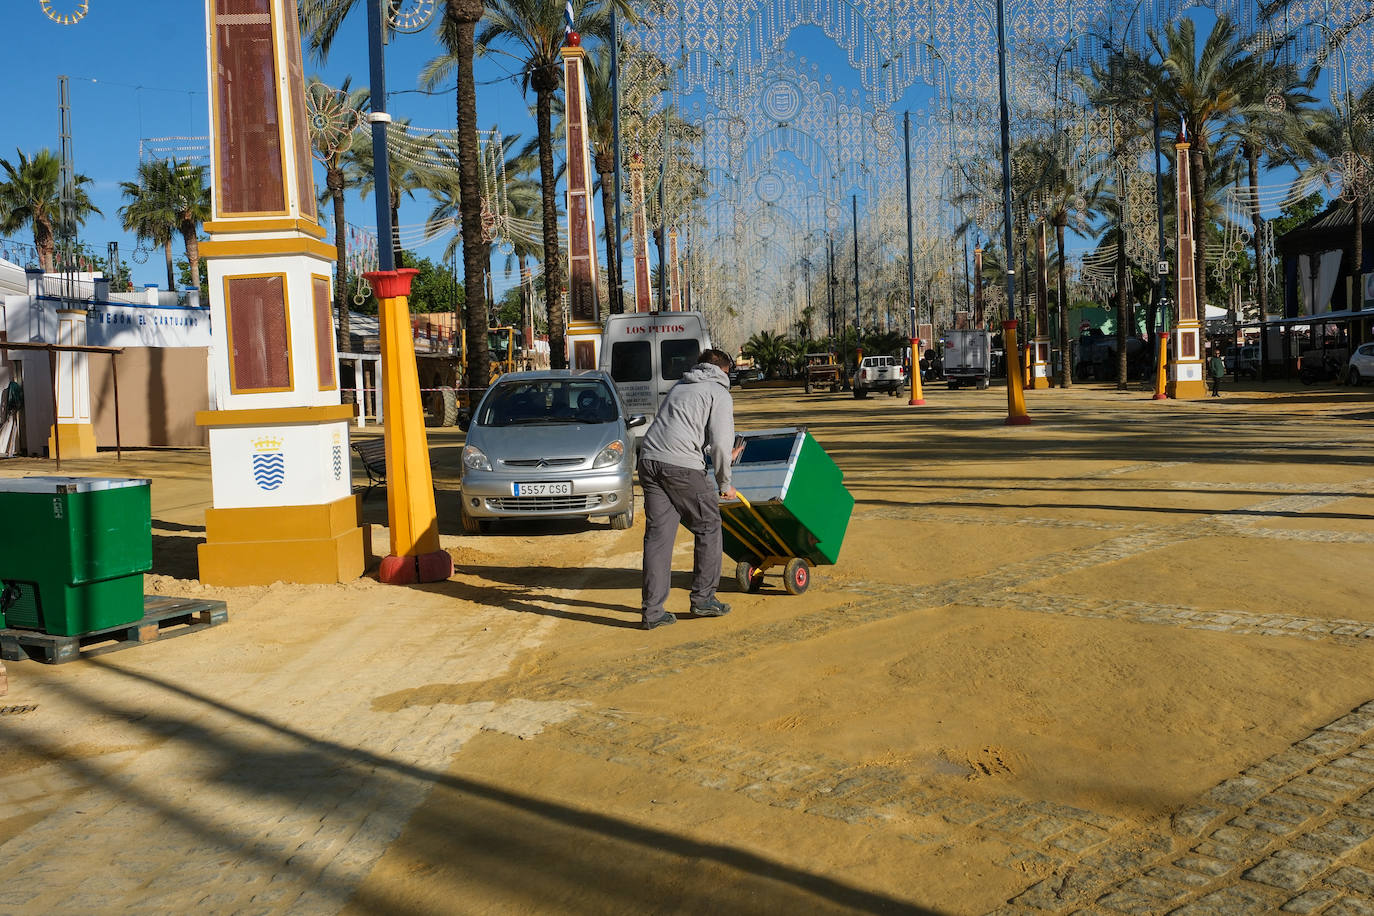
473 525
625 520
796 576
1353 377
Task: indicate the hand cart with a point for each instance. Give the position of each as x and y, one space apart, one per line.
792 509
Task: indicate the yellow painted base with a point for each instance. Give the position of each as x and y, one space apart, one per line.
306 544
77 440
1187 389
1039 381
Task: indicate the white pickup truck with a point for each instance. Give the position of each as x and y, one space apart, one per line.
879 373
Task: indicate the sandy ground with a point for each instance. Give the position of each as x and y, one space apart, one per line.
1042 652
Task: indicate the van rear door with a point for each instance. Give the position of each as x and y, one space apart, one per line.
646 354
632 368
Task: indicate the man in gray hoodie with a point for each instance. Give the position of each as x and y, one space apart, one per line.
696 418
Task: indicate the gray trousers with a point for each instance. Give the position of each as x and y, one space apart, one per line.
674 495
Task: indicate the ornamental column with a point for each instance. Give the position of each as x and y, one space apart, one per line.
979 321
1185 369
639 235
674 280
584 326
1040 349
282 489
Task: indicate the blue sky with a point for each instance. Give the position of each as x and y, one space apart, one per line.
137 70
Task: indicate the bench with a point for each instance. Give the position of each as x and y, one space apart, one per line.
372 453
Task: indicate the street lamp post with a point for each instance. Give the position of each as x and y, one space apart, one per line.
858 347
1016 407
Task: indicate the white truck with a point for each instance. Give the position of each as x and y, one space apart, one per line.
879 373
968 357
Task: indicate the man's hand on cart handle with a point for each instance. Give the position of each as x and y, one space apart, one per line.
729 493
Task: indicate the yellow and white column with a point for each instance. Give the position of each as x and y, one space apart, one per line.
584 306
279 458
72 428
1185 369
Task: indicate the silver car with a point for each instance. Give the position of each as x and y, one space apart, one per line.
551 444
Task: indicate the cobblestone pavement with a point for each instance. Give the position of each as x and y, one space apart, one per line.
258 791
1286 835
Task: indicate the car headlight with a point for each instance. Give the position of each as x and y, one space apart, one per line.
611 454
474 459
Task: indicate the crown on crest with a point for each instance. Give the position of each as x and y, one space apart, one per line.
267 444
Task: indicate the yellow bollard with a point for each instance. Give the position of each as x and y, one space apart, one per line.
1162 367
1016 394
917 395
415 553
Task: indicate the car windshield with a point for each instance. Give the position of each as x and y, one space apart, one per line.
561 400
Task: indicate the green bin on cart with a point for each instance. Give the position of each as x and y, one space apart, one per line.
75 552
792 512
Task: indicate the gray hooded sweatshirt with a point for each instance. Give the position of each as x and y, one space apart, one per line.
696 413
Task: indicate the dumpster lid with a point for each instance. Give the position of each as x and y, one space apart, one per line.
69 484
769 445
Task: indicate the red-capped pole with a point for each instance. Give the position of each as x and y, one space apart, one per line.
917 394
1016 395
390 284
1162 368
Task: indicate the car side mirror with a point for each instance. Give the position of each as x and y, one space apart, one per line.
464 420
638 419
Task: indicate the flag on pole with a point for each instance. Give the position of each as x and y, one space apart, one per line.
567 17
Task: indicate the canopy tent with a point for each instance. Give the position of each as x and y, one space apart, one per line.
1317 269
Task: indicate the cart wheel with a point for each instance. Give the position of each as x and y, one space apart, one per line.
748 577
796 576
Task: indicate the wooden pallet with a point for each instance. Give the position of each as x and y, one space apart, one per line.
163 618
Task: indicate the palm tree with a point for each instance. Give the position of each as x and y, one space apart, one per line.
456 32
1063 204
1207 93
190 198
536 28
601 135
322 20
336 178
31 195
151 213
769 350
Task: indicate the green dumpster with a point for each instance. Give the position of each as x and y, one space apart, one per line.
792 512
76 549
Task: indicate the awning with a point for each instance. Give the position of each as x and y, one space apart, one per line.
1323 318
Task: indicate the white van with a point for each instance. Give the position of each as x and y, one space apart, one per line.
647 352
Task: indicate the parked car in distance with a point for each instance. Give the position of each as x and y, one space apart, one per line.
549 444
879 373
741 374
1360 369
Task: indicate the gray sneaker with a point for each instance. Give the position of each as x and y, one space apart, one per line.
663 621
713 608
